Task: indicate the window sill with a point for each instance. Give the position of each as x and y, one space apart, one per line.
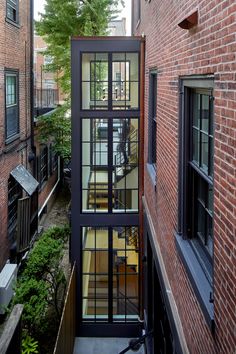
11 140
152 173
16 24
197 277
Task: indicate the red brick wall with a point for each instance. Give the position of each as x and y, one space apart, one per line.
208 48
15 47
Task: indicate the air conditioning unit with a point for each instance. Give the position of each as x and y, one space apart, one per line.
8 277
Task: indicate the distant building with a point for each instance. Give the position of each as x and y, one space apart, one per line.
18 188
117 27
47 96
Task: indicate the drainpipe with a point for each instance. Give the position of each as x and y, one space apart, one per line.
32 154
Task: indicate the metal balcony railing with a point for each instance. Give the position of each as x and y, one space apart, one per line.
46 98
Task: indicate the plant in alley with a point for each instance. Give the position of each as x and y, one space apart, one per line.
42 284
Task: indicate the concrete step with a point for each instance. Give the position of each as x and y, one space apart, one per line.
103 346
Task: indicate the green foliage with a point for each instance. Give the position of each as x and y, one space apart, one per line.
67 18
61 21
29 346
56 128
42 283
33 294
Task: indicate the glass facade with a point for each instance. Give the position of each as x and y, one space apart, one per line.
105 181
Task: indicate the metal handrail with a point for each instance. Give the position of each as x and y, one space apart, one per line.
135 344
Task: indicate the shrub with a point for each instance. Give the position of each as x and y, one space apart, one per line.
41 286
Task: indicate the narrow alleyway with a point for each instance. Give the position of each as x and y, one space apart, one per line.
57 215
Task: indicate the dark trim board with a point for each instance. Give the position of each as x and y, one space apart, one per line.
148 233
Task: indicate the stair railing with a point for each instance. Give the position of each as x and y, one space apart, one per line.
135 344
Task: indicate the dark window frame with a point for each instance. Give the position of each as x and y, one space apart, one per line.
108 96
43 170
9 137
12 11
14 193
197 261
152 118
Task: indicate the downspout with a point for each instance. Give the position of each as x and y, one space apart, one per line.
32 155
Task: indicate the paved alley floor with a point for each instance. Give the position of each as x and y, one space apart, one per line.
103 346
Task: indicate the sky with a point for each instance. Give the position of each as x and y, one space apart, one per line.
126 12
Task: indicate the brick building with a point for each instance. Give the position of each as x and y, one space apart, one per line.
16 163
189 199
47 94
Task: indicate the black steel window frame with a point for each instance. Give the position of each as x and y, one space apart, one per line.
79 46
12 124
152 118
110 166
111 297
114 93
12 11
196 258
14 193
93 90
109 102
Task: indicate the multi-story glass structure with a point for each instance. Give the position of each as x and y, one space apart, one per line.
106 177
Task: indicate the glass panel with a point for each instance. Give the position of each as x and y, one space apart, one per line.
201 222
86 153
205 113
86 207
196 110
134 96
204 152
201 188
210 236
196 145
95 272
132 285
87 58
133 59
132 200
211 157
119 201
85 176
94 81
101 260
86 96
86 130
210 199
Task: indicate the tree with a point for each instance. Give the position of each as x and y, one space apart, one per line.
61 21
